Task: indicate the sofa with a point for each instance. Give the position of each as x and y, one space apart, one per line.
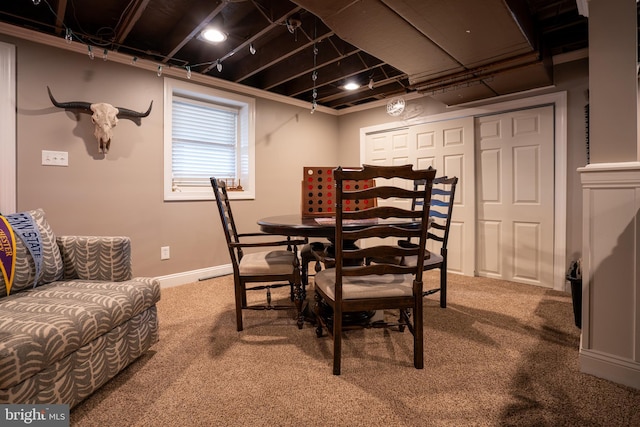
82 320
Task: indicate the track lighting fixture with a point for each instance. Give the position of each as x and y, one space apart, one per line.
213 35
351 86
292 24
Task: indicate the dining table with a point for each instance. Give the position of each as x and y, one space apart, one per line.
299 225
312 227
315 227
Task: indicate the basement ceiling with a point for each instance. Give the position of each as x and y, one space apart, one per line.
453 50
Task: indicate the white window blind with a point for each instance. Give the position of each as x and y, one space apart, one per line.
207 133
204 142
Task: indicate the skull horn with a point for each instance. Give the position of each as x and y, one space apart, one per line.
69 105
125 112
122 112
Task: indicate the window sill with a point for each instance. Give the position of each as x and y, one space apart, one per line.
191 195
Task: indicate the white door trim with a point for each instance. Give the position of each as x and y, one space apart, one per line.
559 100
8 191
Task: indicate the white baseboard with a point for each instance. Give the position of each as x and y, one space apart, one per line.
621 371
194 275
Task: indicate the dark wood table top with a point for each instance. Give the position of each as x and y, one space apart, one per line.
295 225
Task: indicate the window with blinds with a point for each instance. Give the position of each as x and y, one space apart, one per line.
204 143
208 133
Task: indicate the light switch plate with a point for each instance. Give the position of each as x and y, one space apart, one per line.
55 158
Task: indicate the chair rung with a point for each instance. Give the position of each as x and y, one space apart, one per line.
263 287
384 324
269 307
430 291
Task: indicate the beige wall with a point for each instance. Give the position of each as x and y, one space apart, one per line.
121 193
613 60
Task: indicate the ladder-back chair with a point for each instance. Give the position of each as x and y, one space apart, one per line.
441 210
277 267
348 288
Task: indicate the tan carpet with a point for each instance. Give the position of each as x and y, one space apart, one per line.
501 354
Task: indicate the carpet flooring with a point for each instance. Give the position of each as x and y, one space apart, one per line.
500 354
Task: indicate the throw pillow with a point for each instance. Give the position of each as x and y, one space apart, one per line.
52 268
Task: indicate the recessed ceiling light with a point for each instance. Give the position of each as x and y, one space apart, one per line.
351 86
213 35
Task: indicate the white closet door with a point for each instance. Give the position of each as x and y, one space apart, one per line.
515 186
448 147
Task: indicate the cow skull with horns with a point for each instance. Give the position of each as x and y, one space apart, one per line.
104 117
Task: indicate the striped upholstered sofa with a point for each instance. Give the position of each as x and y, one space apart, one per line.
80 322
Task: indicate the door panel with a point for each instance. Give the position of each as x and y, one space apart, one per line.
489 256
515 154
526 237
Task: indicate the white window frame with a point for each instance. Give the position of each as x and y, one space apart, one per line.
246 138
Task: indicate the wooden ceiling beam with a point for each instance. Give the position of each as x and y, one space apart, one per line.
273 23
302 64
280 49
185 30
60 11
379 91
330 75
130 20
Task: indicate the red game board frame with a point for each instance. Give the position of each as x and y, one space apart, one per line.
318 192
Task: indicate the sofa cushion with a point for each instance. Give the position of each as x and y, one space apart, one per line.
52 268
96 258
40 326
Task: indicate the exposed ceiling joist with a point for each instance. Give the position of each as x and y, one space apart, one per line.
454 51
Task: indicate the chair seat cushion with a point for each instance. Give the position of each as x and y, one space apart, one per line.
433 261
372 286
267 262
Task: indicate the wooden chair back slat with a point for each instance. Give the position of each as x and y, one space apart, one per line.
383 225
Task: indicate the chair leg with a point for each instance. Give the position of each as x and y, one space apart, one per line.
240 303
337 341
300 297
316 310
443 284
418 339
305 272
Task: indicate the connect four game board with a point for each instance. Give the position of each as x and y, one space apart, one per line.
318 192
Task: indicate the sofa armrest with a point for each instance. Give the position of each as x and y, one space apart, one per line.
96 257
